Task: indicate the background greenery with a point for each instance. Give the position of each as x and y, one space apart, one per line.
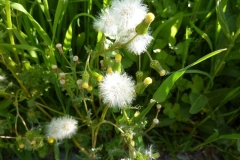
200 105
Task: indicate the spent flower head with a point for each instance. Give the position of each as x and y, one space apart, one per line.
75 58
117 90
61 128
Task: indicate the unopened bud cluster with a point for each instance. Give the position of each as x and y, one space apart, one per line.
129 21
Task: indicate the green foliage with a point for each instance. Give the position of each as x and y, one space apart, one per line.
195 77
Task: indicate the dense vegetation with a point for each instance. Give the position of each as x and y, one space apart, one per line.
54 64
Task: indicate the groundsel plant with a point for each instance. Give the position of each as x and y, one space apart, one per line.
100 91
122 25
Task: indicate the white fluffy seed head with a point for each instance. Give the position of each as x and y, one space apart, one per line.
139 44
128 13
106 23
61 128
117 90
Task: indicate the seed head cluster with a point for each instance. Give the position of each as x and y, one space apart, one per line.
119 22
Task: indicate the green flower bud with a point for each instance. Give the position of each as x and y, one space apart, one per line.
139 76
106 62
117 67
118 58
156 65
98 76
85 79
109 70
140 87
142 28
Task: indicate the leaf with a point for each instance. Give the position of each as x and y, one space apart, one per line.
68 35
216 96
171 24
60 10
230 136
36 25
170 60
159 44
144 112
213 136
161 94
126 62
166 122
198 101
203 35
23 47
80 40
222 19
201 72
231 95
197 84
206 57
238 144
20 36
56 152
5 103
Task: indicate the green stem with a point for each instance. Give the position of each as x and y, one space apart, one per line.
149 55
80 147
69 92
114 126
96 129
39 104
9 24
151 127
16 77
139 67
85 105
222 61
41 109
46 8
18 114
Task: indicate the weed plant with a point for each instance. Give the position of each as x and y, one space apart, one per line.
120 79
